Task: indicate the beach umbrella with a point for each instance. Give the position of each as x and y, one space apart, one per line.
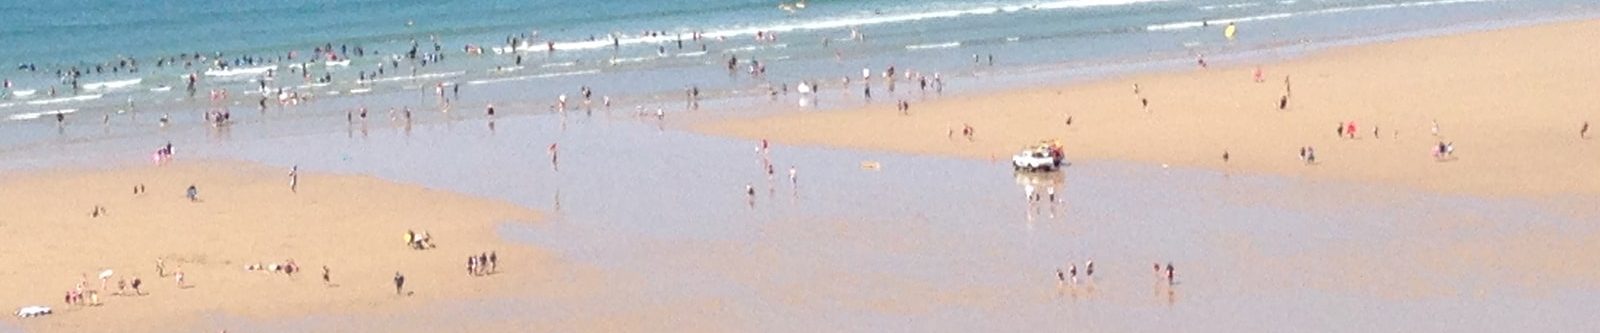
106 274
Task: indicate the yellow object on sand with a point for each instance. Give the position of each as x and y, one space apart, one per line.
1230 31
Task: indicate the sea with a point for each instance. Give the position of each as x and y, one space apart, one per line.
95 59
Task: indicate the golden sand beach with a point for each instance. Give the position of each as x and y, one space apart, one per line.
354 225
1510 101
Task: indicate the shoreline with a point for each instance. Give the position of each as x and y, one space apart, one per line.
247 215
37 132
1197 114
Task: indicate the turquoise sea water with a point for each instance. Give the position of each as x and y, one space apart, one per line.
629 50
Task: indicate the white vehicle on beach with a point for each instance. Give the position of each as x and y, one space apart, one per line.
1045 156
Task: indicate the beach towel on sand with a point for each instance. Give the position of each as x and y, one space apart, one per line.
33 311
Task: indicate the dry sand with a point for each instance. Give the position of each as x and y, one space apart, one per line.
1512 102
352 224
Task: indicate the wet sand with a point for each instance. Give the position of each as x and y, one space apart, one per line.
247 215
1512 102
928 242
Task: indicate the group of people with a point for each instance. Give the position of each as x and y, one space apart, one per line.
1069 278
482 264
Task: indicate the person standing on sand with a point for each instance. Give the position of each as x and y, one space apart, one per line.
493 261
136 283
161 267
1088 270
325 276
294 178
1435 127
792 180
1283 103
1061 279
1350 129
554 151
399 282
1170 274
1584 132
1286 91
192 193
1340 130
178 276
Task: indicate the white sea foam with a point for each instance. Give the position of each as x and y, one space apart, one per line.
933 46
823 24
630 60
1278 16
420 77
241 71
532 77
108 85
78 98
1231 6
36 115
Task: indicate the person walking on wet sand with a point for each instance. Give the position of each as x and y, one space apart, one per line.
1061 279
1088 270
399 283
1170 274
493 262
